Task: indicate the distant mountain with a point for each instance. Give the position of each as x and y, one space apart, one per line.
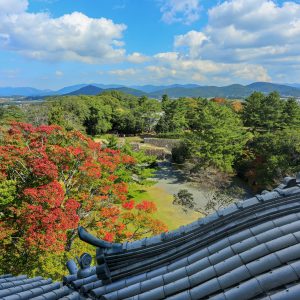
73 88
70 89
267 87
175 90
107 86
128 90
22 91
87 90
94 90
154 88
230 91
296 85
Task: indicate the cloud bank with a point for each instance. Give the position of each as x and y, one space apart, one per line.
70 37
243 41
183 11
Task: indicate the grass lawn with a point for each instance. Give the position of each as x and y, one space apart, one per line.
172 215
129 139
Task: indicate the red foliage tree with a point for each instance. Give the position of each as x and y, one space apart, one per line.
62 179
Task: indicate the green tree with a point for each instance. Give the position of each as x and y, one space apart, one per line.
165 101
68 112
271 156
219 137
173 118
11 113
291 113
185 199
8 191
99 117
264 112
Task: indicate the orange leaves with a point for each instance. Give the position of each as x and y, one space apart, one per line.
51 194
43 167
237 106
91 169
47 216
109 237
129 205
110 213
219 100
147 206
63 178
126 159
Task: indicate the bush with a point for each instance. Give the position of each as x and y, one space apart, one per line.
170 135
185 199
180 153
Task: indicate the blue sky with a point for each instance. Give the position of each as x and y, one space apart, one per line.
54 43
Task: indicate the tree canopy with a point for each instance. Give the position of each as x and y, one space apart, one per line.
52 180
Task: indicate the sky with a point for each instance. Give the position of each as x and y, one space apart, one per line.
50 44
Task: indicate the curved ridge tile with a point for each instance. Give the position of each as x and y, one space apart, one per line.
224 261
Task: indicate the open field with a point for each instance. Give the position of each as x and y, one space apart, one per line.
172 215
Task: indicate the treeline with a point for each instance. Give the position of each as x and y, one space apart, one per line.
111 111
259 138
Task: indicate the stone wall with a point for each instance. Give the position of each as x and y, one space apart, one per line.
166 143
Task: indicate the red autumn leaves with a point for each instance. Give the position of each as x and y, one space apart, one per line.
63 179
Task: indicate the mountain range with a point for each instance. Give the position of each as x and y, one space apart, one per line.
175 90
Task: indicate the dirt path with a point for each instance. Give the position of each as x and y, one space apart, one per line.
172 180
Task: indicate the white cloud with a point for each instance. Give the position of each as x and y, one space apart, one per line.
243 41
13 6
181 67
70 37
256 31
123 72
137 58
59 73
193 40
184 11
174 67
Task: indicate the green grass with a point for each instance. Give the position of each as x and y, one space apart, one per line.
172 215
129 139
134 139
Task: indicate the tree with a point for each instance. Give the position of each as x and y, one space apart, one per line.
269 112
271 156
70 112
36 113
11 113
51 181
291 113
185 199
219 137
99 118
174 116
165 101
218 199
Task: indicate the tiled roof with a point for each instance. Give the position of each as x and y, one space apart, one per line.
249 250
38 288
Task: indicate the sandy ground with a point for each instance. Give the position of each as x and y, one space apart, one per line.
171 181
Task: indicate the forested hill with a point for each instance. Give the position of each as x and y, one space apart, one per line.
87 90
230 91
175 91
